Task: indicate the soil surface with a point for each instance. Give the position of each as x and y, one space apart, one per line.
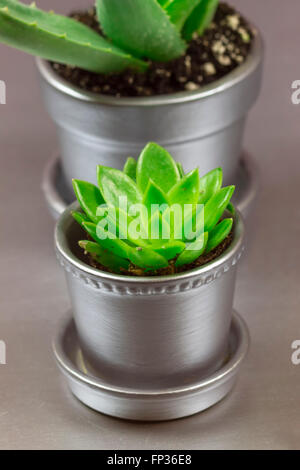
224 46
171 269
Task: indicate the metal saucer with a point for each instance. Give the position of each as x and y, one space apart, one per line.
136 404
58 197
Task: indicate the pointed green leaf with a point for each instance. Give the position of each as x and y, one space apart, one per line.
231 208
89 198
114 184
200 18
193 223
193 250
61 39
80 218
140 27
218 234
186 191
146 258
158 229
215 207
104 257
179 11
116 246
156 163
154 196
180 169
210 184
170 249
130 168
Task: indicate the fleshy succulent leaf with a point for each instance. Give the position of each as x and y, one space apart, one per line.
186 191
158 229
114 245
146 258
115 184
231 208
179 10
210 184
180 169
61 39
130 168
154 196
193 250
104 257
215 207
193 224
80 218
156 163
89 198
162 222
218 234
170 249
200 18
141 28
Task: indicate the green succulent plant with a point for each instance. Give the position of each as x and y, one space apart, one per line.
134 30
180 216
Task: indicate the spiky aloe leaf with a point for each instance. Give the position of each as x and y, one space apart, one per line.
179 10
62 39
140 27
200 18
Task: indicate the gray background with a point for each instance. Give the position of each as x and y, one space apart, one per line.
36 409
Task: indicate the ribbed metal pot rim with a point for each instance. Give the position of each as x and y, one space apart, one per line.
71 262
219 86
230 367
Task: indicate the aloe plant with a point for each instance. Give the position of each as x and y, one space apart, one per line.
180 216
135 30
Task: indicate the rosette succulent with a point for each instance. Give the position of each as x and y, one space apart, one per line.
134 31
151 215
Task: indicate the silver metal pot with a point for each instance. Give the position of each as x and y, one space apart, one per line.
200 128
150 332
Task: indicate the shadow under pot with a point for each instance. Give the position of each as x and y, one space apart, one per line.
199 128
150 332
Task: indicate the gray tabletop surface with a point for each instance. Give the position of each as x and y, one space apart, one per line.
36 409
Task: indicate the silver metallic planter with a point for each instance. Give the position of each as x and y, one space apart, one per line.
148 405
200 128
150 333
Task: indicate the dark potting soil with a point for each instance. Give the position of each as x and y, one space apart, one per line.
224 46
171 269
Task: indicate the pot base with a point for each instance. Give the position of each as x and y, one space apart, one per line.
58 197
161 405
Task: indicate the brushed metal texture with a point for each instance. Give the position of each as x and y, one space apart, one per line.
127 402
201 128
